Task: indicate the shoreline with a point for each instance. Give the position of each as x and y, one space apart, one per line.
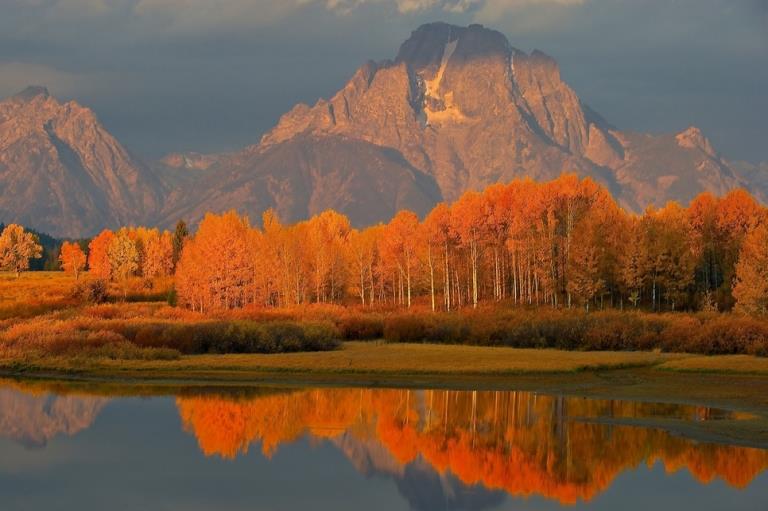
737 383
734 392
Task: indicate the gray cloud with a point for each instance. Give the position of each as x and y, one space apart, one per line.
212 75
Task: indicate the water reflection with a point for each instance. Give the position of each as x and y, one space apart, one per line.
442 449
518 442
33 418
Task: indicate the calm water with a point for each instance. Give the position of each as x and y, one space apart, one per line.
371 449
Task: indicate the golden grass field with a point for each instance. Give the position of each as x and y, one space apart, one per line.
372 359
379 358
718 364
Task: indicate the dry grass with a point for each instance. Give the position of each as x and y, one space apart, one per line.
34 293
722 363
49 290
376 358
365 359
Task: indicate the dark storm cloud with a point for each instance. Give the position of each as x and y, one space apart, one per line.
209 75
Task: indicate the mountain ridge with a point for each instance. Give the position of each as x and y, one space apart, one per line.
456 109
62 172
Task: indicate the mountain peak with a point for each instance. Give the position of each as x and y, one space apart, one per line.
32 92
63 172
693 138
426 44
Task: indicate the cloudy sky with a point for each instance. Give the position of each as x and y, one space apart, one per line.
212 75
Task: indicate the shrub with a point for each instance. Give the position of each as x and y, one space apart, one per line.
129 351
405 328
91 291
732 334
361 326
712 333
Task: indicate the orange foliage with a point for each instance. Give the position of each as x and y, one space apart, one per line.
519 442
98 255
562 243
751 289
72 258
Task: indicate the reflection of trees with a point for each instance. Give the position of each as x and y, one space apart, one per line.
518 442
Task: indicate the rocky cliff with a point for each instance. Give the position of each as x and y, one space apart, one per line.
61 172
465 107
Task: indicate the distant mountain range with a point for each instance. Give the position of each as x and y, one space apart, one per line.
458 108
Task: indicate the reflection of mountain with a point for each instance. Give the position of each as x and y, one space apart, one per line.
422 486
426 489
34 419
460 448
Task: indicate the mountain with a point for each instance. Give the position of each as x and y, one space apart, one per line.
465 107
305 175
63 173
458 108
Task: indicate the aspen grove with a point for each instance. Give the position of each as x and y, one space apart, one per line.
560 244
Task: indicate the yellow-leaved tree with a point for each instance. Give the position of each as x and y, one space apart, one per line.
751 289
17 247
123 257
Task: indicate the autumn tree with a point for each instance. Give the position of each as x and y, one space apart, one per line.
17 247
632 262
214 271
180 235
123 257
440 238
468 222
327 238
498 201
363 256
158 259
98 255
585 280
399 241
556 243
72 258
738 213
751 288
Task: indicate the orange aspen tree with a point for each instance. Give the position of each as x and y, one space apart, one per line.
98 257
437 226
361 257
214 272
158 257
399 244
72 258
468 221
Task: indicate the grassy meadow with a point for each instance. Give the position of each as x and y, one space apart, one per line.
49 324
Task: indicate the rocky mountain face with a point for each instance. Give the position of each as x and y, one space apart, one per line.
458 108
305 175
61 172
189 161
468 109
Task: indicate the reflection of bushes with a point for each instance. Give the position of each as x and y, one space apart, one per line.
609 330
